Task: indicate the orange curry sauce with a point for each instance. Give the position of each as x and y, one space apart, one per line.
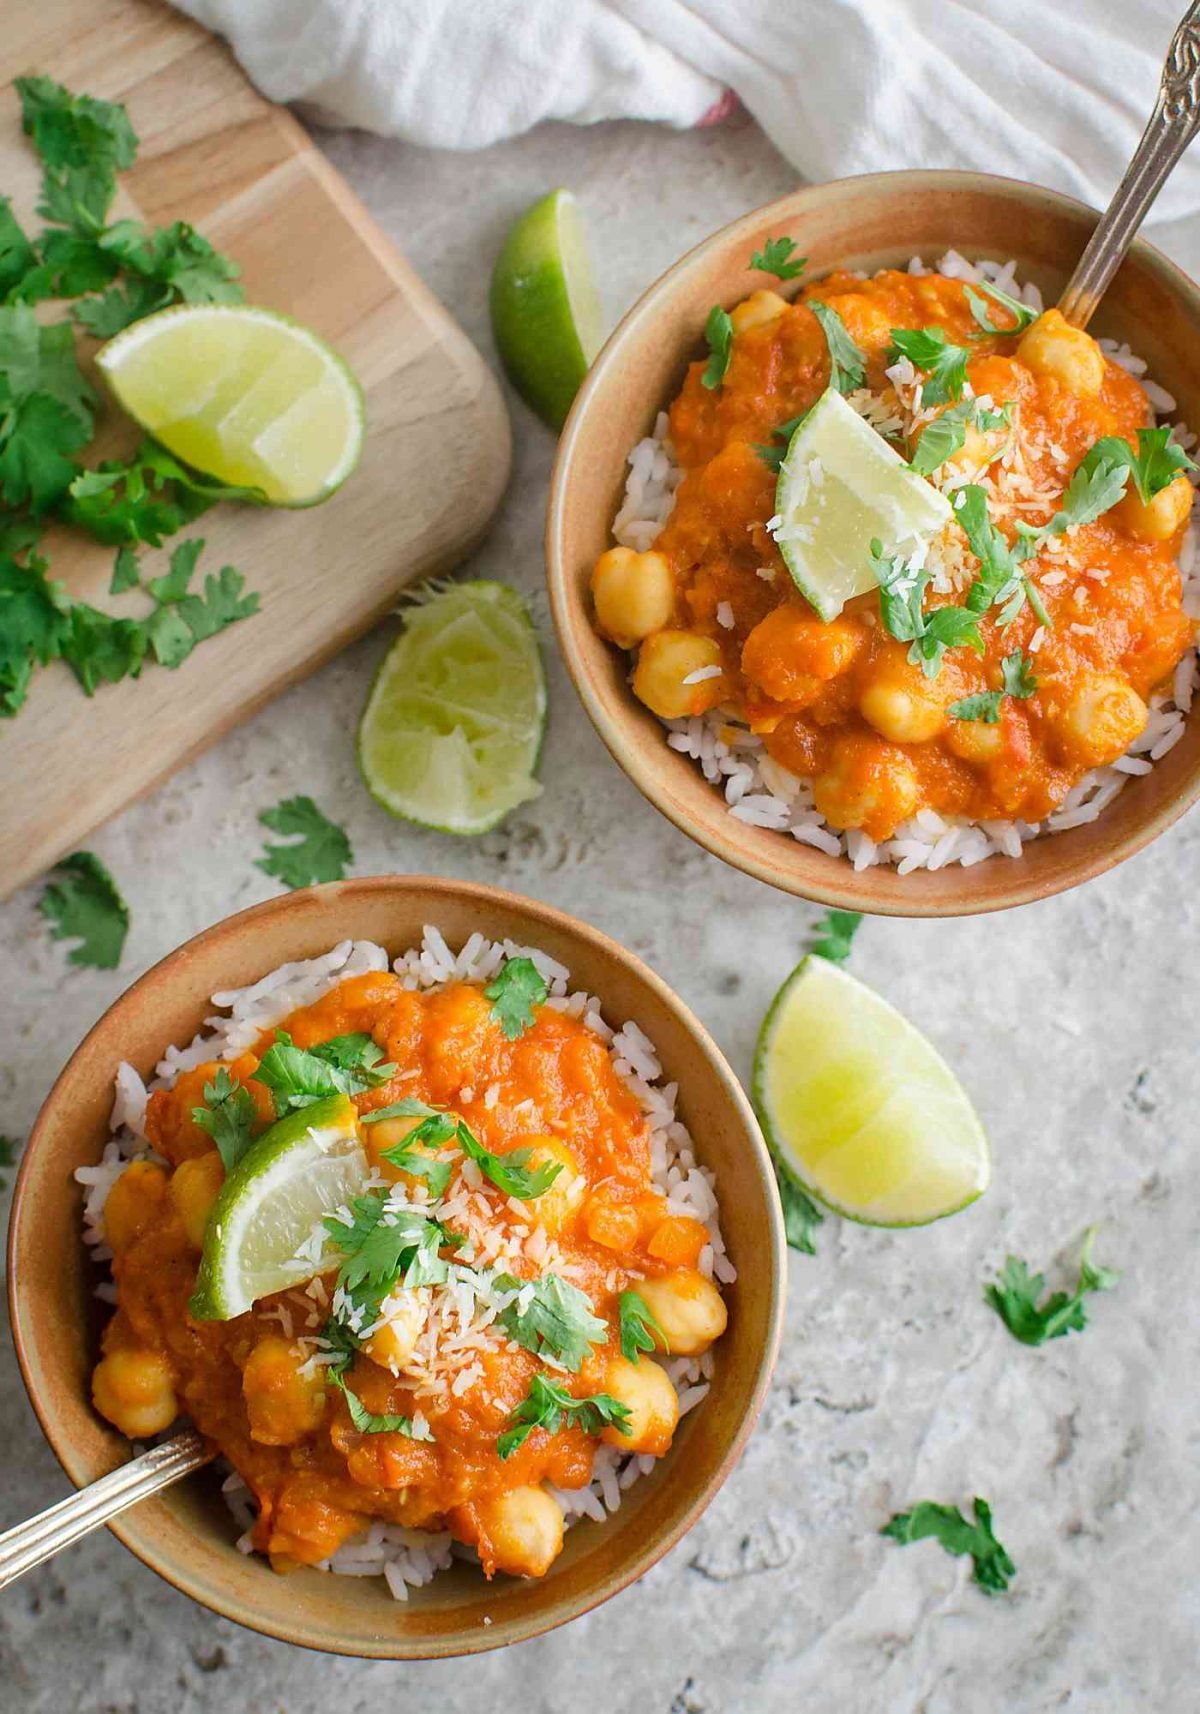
825 696
318 1481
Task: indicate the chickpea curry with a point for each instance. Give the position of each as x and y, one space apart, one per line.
470 1328
980 677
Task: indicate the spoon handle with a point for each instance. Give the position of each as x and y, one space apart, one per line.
1171 128
28 1544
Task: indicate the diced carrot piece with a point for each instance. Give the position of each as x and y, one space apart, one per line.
612 1224
678 1241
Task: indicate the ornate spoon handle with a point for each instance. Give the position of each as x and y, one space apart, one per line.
27 1544
1172 126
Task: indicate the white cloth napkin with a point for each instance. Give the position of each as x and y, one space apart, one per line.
1056 91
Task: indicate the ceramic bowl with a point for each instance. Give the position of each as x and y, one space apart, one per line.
186 1534
878 220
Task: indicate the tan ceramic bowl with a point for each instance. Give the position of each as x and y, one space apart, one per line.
879 220
187 1535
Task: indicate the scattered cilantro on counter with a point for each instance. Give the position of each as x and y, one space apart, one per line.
143 498
319 852
85 905
834 935
1016 1293
516 989
993 1569
549 1405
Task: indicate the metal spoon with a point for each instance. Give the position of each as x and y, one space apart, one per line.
1172 126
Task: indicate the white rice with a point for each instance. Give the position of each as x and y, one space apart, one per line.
410 1558
762 794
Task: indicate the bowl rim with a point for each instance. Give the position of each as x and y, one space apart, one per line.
474 1640
640 762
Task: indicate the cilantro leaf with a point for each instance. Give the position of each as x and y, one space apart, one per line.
229 1116
549 1405
297 1076
510 1173
321 852
173 264
1156 462
101 649
549 1316
34 622
143 498
37 438
942 438
774 455
357 1051
9 1148
342 1340
901 606
1023 316
83 142
514 991
801 1216
834 934
718 331
86 906
993 1569
437 1174
367 1422
17 255
126 574
381 1243
944 364
1016 1293
1017 672
983 706
408 1108
639 1331
847 364
778 257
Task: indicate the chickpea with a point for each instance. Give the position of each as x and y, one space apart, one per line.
634 595
688 1308
524 1528
757 310
392 1345
1067 354
868 784
283 1403
1158 519
135 1391
900 702
134 1203
790 653
554 1207
1100 719
195 1186
653 1404
975 741
665 661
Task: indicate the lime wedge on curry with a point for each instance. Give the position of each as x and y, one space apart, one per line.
545 310
452 730
304 1167
859 1107
840 487
245 395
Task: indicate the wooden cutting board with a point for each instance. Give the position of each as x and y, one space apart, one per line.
214 152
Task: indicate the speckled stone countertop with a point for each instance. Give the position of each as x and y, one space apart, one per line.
1068 1022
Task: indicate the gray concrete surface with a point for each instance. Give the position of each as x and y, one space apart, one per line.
1067 1021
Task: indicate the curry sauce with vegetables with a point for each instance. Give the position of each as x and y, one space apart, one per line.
496 1302
983 673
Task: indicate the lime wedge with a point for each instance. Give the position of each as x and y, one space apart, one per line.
545 310
452 729
859 1108
305 1166
242 394
840 487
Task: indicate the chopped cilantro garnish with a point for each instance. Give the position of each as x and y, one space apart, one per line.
368 1422
901 606
85 905
945 1524
983 706
847 364
550 1405
1023 316
517 988
1156 462
944 364
718 331
1015 1297
297 1077
834 934
947 434
1017 674
321 852
510 1173
551 1317
639 1331
801 1216
381 1245
773 455
229 1117
778 257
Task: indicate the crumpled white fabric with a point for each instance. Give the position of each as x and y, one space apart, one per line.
1037 89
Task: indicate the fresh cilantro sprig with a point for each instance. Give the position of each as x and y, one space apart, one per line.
549 1405
382 1245
514 991
46 410
144 498
834 934
947 433
369 1422
1153 464
83 142
1022 315
86 905
637 1328
902 608
1017 680
319 849
229 1116
552 1318
718 332
993 1568
778 257
1001 580
801 1216
773 454
944 364
1015 1298
35 613
345 1065
174 264
847 364
510 1173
